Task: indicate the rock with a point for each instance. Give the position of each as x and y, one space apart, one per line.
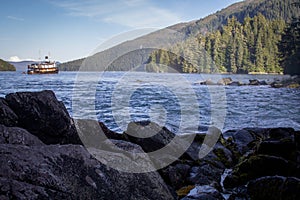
149 135
202 143
44 116
274 187
208 82
263 83
276 85
176 175
224 155
259 166
254 82
225 81
204 192
243 140
15 135
280 133
205 174
93 133
7 115
70 172
236 83
285 148
292 82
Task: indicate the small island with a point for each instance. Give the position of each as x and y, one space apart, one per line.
5 66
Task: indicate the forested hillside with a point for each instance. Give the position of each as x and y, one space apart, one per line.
238 39
289 47
5 66
245 47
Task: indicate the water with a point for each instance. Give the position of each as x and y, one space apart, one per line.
173 100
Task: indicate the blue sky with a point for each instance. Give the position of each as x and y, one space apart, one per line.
71 29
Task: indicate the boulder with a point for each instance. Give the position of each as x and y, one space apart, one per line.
149 135
285 148
276 85
205 174
243 140
263 83
254 82
7 115
70 172
44 116
236 83
259 166
274 187
225 81
15 135
208 82
280 133
176 175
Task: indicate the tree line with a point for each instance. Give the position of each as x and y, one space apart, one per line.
251 46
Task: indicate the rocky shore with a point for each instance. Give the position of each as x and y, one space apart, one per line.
292 82
42 157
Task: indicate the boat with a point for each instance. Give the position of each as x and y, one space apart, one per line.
44 67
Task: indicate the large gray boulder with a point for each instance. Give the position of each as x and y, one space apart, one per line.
149 135
274 187
70 172
44 116
7 115
16 135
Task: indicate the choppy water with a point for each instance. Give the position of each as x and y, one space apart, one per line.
174 100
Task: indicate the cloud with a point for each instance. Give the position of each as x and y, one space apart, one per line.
17 59
14 59
15 18
130 13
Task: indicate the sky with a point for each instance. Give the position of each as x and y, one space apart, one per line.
72 29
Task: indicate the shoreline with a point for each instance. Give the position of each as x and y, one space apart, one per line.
44 156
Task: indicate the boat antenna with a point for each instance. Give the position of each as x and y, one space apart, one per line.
40 55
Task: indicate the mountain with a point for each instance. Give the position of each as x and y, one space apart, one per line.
136 52
5 66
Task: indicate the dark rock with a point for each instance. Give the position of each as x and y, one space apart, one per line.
279 133
14 189
7 116
274 187
70 172
225 81
205 174
149 135
236 83
204 192
44 116
276 85
259 133
254 82
176 175
259 166
243 140
228 134
15 135
196 150
285 148
93 133
292 82
224 155
263 83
